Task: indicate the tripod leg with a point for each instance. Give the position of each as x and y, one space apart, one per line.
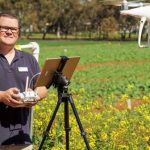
66 120
50 124
79 122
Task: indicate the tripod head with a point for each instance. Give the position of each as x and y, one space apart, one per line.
59 80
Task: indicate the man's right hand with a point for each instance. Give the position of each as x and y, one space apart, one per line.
10 97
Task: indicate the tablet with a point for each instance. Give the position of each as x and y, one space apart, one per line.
51 65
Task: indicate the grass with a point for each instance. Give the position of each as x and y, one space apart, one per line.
105 67
92 51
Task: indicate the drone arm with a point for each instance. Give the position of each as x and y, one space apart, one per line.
142 22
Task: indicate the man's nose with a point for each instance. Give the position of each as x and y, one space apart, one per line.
8 31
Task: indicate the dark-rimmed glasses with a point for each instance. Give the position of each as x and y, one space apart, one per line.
6 28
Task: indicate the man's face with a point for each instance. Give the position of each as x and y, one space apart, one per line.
9 30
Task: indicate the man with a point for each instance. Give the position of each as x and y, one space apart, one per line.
15 67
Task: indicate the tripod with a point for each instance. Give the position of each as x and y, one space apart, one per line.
64 97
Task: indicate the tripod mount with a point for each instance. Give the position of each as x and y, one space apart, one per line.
61 82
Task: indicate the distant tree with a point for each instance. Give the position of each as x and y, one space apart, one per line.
107 19
127 23
89 19
64 17
108 25
60 15
25 10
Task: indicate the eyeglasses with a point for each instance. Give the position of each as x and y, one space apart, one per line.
6 28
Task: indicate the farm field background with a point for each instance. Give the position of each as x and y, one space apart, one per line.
111 90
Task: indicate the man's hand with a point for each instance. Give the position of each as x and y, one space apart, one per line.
10 97
41 93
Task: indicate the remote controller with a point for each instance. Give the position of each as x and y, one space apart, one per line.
28 96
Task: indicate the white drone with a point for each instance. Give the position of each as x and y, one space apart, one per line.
142 12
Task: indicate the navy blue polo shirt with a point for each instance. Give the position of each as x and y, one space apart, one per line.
15 122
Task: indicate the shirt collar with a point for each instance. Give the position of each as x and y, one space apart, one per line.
18 53
18 56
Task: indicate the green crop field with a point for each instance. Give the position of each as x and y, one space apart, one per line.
104 67
109 76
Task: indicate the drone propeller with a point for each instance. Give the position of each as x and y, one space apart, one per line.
139 12
124 4
134 4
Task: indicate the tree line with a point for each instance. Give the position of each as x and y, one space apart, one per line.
94 18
